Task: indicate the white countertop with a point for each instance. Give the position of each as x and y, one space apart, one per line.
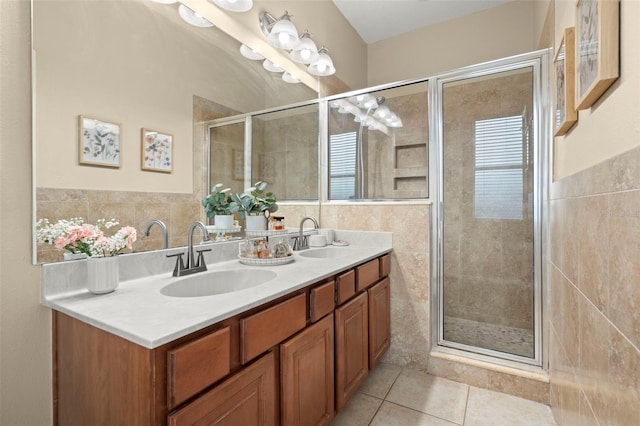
138 312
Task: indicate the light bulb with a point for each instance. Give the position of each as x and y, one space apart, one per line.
284 38
305 54
322 67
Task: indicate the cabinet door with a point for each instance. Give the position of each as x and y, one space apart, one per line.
246 398
379 320
352 348
306 362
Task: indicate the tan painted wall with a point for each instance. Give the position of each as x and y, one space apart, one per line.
611 126
25 348
491 34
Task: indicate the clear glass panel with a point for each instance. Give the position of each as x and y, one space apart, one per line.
488 214
285 152
378 144
226 156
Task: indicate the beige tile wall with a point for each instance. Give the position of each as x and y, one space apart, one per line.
594 286
410 332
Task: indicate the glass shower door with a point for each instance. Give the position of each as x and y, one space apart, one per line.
487 234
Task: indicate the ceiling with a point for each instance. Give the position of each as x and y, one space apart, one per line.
377 20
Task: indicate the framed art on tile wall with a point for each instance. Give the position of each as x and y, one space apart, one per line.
157 151
565 114
597 49
99 142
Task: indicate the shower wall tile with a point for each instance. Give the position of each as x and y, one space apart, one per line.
594 288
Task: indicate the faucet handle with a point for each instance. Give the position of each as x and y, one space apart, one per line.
200 261
179 263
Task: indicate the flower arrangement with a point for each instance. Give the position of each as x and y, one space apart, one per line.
76 236
217 202
253 201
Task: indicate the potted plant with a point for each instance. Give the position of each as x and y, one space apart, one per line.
93 242
217 207
253 204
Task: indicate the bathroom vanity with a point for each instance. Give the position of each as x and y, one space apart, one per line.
290 351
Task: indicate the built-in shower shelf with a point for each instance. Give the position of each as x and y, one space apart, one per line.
409 172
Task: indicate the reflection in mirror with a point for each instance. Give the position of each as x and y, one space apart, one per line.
136 63
285 152
378 144
282 151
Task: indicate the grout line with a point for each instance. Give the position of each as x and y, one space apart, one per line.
466 405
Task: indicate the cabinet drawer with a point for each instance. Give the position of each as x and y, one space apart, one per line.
385 265
367 274
346 285
246 398
322 300
197 364
267 328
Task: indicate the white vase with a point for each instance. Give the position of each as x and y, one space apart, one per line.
223 221
73 256
256 223
102 274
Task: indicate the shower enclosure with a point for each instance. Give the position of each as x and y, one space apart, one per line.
487 218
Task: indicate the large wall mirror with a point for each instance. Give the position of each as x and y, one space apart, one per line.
136 64
377 144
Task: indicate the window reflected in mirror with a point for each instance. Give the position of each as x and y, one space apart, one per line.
378 145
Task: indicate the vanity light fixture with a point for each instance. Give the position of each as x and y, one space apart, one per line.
307 51
382 112
323 66
270 66
193 18
249 53
283 34
290 78
234 5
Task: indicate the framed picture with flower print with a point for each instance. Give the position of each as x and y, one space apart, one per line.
597 49
157 151
565 114
99 142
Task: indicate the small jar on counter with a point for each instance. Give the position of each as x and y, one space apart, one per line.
277 223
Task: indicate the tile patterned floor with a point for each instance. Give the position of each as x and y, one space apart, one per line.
396 396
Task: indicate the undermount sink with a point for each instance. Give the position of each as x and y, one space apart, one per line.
324 253
217 282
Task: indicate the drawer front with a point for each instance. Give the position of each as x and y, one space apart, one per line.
322 300
367 274
385 265
267 328
346 284
194 366
249 397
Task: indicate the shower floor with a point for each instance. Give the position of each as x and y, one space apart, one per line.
500 338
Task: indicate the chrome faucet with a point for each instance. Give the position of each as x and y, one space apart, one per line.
301 242
193 264
165 233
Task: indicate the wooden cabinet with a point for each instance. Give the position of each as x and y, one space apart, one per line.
352 348
322 300
196 365
267 328
249 397
379 299
345 286
367 274
306 364
293 361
